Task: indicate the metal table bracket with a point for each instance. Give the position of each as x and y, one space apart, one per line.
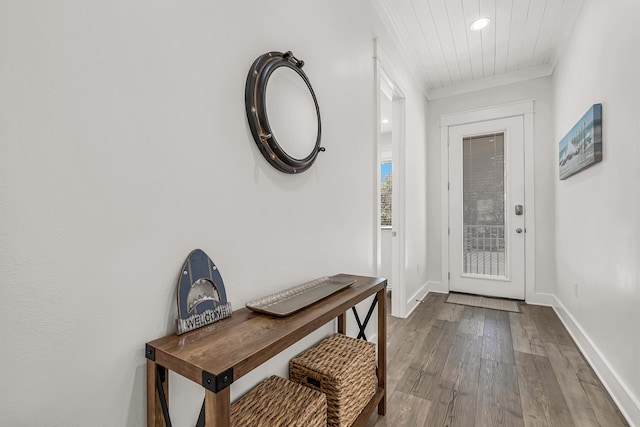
361 325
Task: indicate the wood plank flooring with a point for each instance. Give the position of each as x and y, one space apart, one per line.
452 365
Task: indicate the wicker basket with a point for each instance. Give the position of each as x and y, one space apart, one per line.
344 369
277 402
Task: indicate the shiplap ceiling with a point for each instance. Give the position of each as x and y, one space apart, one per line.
522 42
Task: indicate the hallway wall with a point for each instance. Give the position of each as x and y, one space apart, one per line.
539 90
598 210
125 145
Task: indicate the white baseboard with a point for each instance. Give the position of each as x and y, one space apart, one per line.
414 299
437 287
628 404
541 299
422 293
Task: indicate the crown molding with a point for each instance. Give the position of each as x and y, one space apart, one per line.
473 86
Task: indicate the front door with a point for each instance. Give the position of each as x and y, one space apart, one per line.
486 208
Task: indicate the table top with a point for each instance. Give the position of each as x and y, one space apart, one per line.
246 339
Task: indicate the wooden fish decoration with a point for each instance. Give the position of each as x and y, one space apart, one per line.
202 298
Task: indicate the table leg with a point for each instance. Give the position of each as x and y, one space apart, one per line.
382 348
342 323
217 408
155 418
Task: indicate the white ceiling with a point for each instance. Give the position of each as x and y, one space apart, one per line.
522 42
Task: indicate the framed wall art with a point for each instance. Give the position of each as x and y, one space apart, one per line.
582 146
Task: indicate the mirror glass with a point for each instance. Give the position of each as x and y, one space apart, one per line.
291 112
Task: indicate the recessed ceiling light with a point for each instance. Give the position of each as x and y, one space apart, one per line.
479 24
385 121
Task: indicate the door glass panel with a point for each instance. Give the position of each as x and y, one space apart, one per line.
483 205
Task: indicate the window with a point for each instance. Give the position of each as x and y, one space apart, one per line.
386 186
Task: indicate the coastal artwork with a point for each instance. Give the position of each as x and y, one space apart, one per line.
582 146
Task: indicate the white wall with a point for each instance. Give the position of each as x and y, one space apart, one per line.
544 161
598 210
416 197
124 145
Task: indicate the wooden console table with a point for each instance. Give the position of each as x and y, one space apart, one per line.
218 354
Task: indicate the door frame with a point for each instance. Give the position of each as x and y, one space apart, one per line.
383 69
511 283
526 110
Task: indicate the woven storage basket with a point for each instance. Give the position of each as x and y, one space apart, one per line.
277 402
344 369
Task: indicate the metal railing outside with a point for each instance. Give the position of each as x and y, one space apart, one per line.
484 250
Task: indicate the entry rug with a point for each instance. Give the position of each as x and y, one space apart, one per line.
484 302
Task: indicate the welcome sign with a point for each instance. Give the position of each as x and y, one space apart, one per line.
202 298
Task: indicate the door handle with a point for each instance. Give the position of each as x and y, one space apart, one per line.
518 230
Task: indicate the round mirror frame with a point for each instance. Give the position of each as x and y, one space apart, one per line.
255 103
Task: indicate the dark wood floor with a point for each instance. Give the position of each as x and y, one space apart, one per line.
453 365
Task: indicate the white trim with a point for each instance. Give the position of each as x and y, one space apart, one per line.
489 113
529 203
444 203
398 308
415 299
541 299
525 109
515 77
390 70
618 390
418 297
437 287
398 242
377 233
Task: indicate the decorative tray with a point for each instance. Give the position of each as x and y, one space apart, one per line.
298 297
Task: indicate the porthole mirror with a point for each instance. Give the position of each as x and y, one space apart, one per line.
283 112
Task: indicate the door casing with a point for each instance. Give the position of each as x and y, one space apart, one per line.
526 110
383 69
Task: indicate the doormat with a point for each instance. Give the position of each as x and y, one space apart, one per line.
484 302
